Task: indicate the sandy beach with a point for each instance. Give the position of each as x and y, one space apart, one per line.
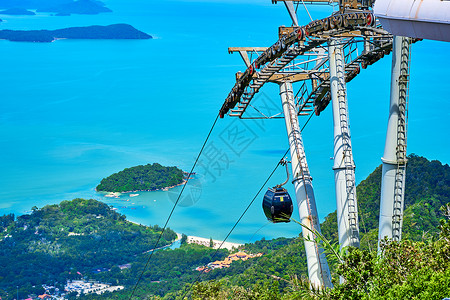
205 242
132 193
202 241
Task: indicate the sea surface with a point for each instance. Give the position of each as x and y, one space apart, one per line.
75 111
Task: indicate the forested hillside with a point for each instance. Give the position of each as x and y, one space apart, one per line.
67 241
405 270
166 276
415 268
142 178
427 189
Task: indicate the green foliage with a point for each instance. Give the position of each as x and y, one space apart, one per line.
142 178
329 227
416 268
357 269
5 222
265 246
221 290
427 189
405 270
183 239
55 242
206 291
282 259
369 240
166 276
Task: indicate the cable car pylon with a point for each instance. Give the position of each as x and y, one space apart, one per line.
344 167
394 158
318 270
302 54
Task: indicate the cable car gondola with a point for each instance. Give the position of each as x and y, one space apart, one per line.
277 203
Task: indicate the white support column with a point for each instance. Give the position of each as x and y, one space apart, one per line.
344 167
291 10
318 271
394 158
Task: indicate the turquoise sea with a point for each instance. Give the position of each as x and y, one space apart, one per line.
75 111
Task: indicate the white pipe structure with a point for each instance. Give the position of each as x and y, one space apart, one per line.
426 19
291 10
394 158
318 271
344 167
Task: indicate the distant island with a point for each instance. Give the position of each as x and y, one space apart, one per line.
17 12
61 8
115 31
150 177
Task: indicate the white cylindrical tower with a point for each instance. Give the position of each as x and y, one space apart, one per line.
318 271
344 167
394 157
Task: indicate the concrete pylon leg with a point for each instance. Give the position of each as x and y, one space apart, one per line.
318 271
344 167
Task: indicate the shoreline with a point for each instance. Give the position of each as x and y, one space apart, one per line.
191 239
118 194
179 236
206 242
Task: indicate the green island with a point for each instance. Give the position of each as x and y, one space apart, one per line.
17 12
60 7
97 32
415 268
150 177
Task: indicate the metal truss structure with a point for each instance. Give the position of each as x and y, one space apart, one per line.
300 55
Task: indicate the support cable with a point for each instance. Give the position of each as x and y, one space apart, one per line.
173 208
250 240
307 11
245 211
237 222
361 215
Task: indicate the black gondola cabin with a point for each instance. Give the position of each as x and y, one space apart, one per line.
277 205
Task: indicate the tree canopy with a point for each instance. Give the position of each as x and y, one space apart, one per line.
60 242
149 177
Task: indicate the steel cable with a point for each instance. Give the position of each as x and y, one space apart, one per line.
173 208
245 211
